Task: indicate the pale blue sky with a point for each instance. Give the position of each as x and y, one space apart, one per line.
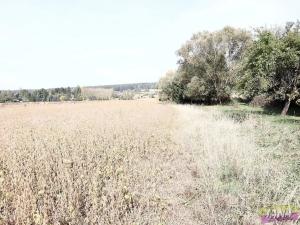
57 43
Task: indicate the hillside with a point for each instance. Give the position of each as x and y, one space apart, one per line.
124 87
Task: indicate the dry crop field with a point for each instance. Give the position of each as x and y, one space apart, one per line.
138 162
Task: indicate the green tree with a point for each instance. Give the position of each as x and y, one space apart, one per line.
209 59
40 95
171 87
77 93
207 67
6 96
272 66
197 90
25 95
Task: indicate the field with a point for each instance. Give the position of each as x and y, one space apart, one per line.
142 162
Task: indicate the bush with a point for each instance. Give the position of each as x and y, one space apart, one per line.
238 116
127 95
260 101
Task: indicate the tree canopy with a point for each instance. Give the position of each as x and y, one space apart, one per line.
206 66
213 65
272 66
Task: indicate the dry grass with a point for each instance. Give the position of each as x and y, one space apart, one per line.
135 162
235 167
85 163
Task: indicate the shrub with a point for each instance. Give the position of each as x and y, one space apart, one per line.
260 101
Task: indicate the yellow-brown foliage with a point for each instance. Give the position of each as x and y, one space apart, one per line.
139 162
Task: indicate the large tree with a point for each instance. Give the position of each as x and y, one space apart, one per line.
207 63
272 65
171 87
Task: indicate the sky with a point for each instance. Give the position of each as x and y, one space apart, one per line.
60 43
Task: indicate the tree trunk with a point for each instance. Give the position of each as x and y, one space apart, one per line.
286 107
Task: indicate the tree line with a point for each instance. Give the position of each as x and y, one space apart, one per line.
215 66
126 87
106 92
42 95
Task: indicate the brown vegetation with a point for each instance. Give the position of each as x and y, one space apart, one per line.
138 162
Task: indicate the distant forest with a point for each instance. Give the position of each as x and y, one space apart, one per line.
125 87
70 93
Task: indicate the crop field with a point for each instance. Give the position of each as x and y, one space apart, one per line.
142 162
